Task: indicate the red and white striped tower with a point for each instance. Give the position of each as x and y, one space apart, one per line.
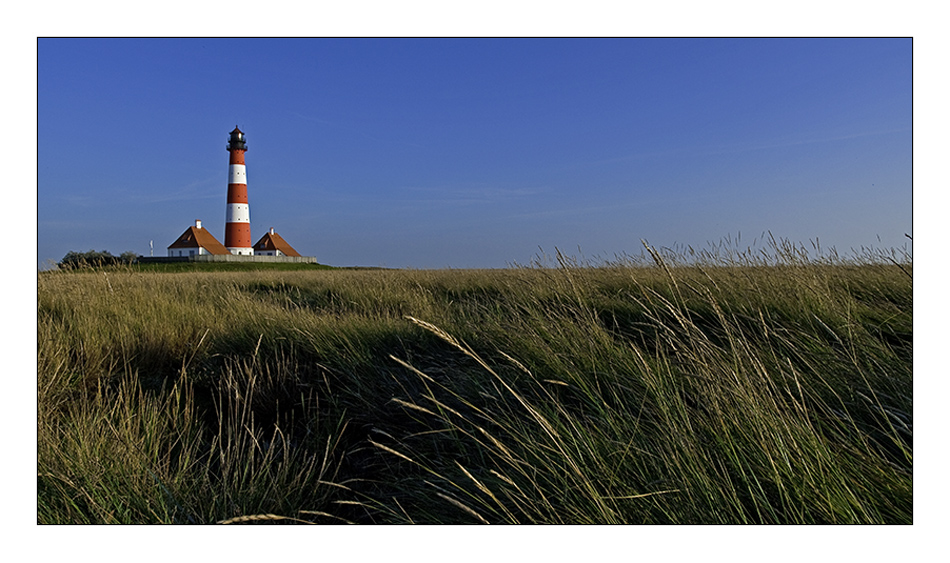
237 228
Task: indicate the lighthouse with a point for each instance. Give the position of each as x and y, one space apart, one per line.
237 228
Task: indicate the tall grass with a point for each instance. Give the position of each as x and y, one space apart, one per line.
673 387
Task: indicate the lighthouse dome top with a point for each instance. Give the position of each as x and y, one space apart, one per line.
236 141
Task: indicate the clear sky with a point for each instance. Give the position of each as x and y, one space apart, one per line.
431 153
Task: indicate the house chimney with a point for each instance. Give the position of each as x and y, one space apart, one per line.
272 230
197 223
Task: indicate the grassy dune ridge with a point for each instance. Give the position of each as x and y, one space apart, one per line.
695 388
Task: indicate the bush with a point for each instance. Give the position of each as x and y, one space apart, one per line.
91 259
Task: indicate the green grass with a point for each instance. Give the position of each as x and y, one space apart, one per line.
704 388
176 267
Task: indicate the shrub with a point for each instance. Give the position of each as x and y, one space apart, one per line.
93 259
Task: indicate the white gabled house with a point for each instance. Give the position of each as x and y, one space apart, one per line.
196 241
272 244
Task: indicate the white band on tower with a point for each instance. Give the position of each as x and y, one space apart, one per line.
237 174
238 213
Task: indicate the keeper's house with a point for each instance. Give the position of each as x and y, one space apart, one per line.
196 241
272 244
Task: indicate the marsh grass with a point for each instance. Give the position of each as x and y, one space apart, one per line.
672 387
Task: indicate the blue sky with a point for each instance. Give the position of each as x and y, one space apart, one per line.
431 153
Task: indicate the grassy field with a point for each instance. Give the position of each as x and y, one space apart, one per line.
179 267
713 387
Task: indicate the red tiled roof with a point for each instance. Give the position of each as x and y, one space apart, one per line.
194 237
273 241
